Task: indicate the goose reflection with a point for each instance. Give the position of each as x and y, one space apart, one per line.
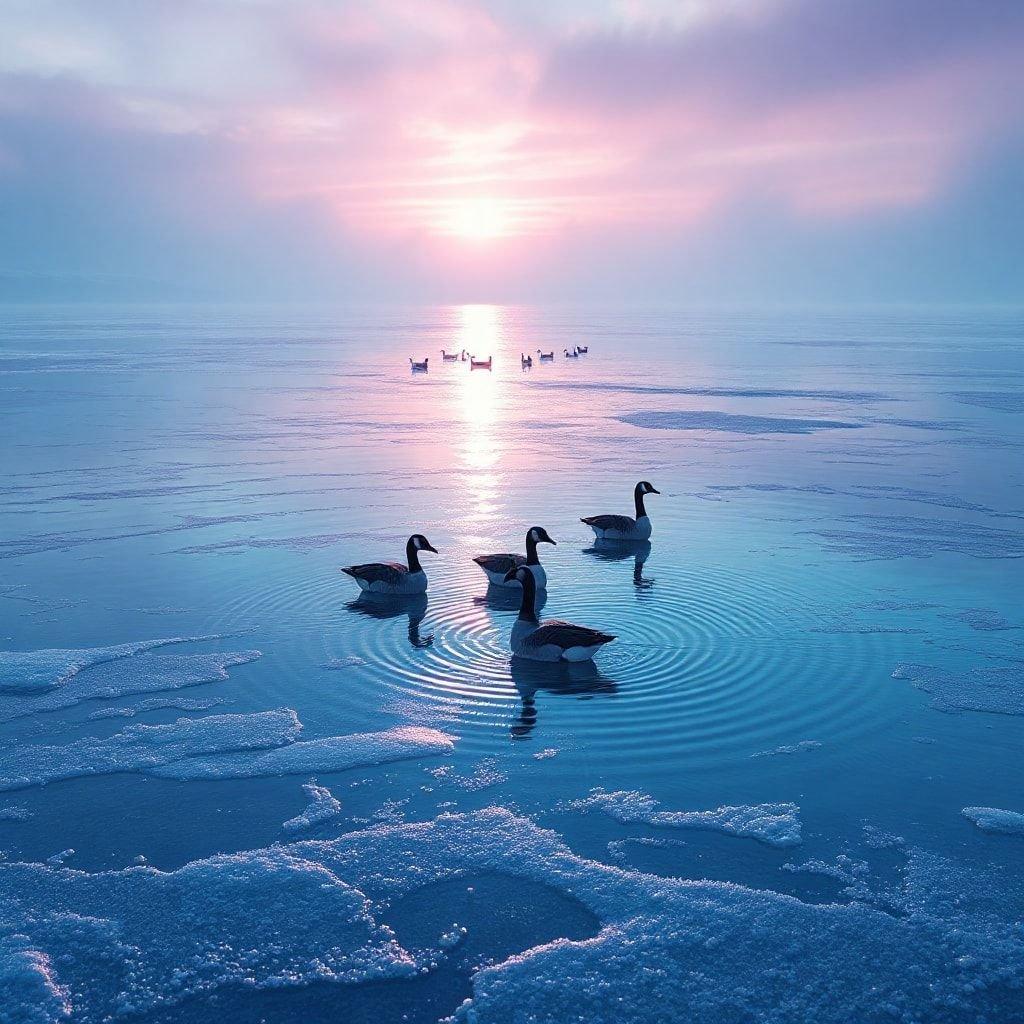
502 599
620 551
383 606
582 680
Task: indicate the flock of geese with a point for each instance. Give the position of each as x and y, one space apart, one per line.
526 361
551 640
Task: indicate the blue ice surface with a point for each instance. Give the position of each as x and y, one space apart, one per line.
789 790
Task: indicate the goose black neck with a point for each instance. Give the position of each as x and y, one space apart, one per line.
638 501
412 555
531 550
528 608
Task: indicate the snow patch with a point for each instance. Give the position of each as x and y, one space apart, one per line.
998 690
109 677
322 806
992 819
777 824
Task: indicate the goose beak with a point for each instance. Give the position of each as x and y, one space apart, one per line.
550 541
654 490
430 547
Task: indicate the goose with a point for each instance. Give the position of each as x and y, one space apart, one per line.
418 367
480 364
393 577
526 360
495 567
622 527
449 357
583 349
551 640
546 357
574 354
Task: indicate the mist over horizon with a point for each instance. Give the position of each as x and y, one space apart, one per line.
772 152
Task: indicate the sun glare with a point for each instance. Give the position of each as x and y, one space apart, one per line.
480 219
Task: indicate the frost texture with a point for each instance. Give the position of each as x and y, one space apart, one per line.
992 819
791 748
329 754
722 952
775 824
218 746
115 678
29 672
322 806
998 690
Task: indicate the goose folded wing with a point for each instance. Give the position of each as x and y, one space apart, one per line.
378 572
567 635
499 563
610 522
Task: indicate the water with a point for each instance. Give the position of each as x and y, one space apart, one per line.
841 495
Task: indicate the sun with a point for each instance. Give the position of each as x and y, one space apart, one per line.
480 219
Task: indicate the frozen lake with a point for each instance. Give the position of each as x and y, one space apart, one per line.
754 799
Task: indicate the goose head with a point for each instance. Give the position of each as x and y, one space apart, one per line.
646 488
420 543
539 535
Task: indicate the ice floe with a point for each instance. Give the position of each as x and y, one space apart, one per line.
699 419
217 746
992 819
29 672
997 401
485 774
998 690
777 824
322 806
327 754
984 620
158 704
60 679
909 537
295 913
145 747
125 942
790 748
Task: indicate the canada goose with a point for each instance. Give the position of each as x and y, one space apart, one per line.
480 364
527 361
450 357
623 527
546 357
393 577
583 349
552 640
418 367
574 354
496 567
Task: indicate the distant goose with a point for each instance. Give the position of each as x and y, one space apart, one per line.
546 357
525 360
552 640
574 354
622 527
496 567
480 364
583 349
393 577
452 357
418 367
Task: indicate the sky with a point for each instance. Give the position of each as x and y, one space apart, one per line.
721 152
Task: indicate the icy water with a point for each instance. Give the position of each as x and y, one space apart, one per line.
750 808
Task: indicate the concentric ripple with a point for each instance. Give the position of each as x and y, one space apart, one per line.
710 662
